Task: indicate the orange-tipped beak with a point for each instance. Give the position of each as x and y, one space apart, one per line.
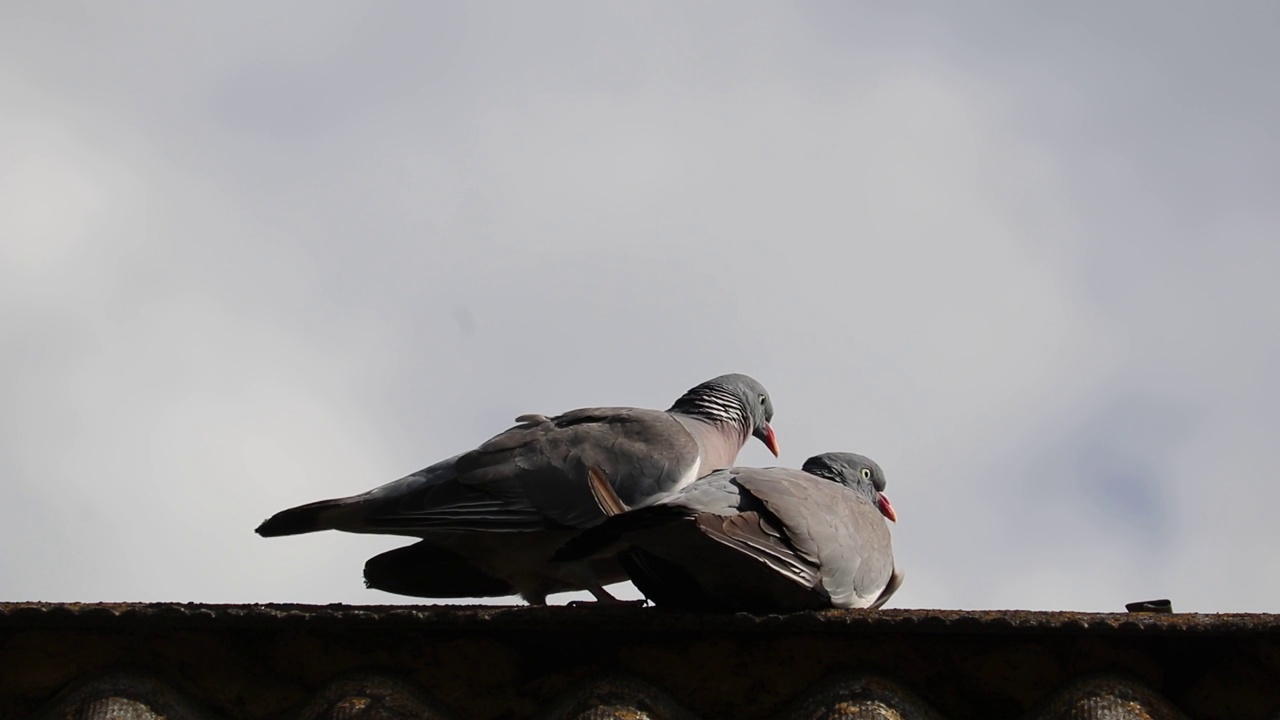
769 438
886 508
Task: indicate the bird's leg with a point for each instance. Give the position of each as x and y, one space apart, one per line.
536 598
581 575
604 597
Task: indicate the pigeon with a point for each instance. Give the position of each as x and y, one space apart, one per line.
490 519
755 539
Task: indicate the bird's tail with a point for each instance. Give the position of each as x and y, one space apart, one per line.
352 513
312 517
895 582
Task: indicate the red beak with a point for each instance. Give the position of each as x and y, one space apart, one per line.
886 509
769 439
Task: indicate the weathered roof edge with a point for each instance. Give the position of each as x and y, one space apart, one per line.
500 618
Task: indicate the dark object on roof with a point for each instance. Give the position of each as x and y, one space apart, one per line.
1151 606
203 662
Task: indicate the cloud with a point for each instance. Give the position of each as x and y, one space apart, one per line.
1023 260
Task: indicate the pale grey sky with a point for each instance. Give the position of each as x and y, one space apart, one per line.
253 255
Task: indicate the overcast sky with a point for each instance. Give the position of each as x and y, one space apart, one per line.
258 254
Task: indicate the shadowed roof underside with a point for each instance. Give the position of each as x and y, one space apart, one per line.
204 662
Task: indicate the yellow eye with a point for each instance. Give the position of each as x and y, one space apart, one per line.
866 473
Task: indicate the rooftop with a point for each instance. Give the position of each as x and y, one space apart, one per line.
217 662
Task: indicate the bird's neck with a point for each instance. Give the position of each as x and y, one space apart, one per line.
714 406
718 440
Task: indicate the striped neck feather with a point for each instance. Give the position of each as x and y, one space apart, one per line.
715 405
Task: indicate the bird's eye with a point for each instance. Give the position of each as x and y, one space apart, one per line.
866 473
762 399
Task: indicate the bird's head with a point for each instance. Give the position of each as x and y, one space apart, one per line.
733 398
857 472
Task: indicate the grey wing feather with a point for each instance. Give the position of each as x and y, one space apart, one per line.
832 527
453 507
431 500
715 493
644 454
606 498
425 501
534 475
726 511
749 532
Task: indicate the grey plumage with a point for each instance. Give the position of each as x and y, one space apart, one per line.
503 508
759 539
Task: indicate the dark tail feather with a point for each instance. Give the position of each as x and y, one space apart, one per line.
421 570
664 583
599 539
302 519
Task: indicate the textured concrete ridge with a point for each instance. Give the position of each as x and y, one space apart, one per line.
339 662
491 616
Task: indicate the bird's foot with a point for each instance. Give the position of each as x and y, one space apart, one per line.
610 601
604 597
